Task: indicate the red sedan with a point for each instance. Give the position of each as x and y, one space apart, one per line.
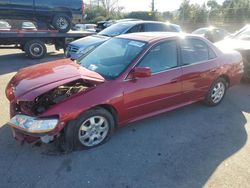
126 79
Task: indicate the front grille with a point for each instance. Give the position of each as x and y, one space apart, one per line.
72 49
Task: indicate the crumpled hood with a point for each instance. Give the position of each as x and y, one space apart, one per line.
233 44
44 77
90 41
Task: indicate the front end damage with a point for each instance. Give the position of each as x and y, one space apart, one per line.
28 122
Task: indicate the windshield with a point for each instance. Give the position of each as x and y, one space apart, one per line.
116 29
112 57
200 31
243 34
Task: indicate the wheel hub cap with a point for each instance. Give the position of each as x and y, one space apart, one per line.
62 23
36 50
93 131
218 92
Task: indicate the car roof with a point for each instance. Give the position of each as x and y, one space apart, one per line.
154 36
135 22
210 28
130 24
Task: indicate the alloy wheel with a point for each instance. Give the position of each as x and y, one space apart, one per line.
93 131
62 23
218 92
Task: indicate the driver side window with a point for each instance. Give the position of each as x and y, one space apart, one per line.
161 57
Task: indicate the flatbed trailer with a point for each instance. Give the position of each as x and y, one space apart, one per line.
33 42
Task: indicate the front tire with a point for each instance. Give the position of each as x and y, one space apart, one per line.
216 93
62 23
93 128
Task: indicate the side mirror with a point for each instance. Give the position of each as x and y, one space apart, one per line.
141 72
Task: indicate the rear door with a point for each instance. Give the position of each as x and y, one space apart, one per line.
199 63
5 8
23 8
153 27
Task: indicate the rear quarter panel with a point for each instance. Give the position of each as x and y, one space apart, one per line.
232 66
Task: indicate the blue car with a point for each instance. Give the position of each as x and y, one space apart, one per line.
82 46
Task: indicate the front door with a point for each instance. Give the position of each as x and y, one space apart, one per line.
162 90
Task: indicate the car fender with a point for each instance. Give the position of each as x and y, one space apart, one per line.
73 107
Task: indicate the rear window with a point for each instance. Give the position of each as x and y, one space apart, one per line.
170 28
151 27
194 51
116 29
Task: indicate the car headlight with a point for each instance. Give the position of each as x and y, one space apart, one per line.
33 124
85 50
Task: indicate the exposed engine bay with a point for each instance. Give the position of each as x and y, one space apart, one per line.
55 96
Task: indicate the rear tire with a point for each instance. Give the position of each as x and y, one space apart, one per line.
35 49
216 93
62 23
94 128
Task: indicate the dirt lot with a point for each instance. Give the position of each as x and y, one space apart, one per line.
194 146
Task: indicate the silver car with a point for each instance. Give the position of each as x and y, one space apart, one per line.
82 46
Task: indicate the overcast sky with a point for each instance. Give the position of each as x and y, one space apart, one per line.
160 5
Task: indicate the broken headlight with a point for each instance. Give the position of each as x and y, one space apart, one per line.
33 124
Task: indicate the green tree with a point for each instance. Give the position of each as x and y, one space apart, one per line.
236 11
111 6
214 12
185 11
213 5
144 15
168 16
192 13
93 12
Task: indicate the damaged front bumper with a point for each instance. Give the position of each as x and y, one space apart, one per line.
32 129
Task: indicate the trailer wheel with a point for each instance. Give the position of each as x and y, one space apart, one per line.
35 49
